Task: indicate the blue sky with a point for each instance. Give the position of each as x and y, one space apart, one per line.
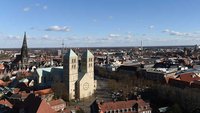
88 23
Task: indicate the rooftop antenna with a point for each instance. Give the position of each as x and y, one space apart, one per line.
141 48
63 46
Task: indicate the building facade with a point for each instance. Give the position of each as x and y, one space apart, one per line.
79 82
129 106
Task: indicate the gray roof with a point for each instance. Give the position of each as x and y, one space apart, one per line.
70 53
87 54
47 71
41 70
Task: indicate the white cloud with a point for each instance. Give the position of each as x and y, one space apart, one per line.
12 37
45 7
58 28
151 26
26 9
176 33
114 35
128 37
45 37
166 30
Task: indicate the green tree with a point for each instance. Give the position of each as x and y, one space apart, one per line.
60 91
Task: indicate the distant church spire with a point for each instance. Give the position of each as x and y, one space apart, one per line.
24 52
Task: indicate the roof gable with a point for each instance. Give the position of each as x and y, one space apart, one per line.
70 53
87 54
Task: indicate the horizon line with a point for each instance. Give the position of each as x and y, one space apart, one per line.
105 46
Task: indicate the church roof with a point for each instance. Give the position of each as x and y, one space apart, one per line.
53 70
80 76
87 53
70 53
41 70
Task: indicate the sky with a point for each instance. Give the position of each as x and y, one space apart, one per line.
99 23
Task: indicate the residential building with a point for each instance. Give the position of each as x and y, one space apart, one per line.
129 106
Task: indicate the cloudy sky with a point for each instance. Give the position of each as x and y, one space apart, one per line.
88 23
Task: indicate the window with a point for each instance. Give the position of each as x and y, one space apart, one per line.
73 66
90 59
73 60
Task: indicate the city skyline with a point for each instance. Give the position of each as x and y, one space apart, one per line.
99 23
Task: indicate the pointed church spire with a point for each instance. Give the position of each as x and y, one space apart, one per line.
24 52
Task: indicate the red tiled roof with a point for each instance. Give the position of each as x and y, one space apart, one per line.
188 77
6 103
56 102
106 106
2 83
45 108
44 91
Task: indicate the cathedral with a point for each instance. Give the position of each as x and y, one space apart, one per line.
79 79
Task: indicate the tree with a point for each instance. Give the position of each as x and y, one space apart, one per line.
60 91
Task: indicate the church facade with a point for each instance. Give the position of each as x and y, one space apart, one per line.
79 81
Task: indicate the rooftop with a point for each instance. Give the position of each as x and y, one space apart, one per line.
106 106
57 102
87 53
70 53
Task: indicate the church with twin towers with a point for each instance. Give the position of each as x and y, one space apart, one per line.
77 77
81 83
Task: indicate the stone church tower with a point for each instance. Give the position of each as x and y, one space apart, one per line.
70 66
87 62
87 84
79 84
24 53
